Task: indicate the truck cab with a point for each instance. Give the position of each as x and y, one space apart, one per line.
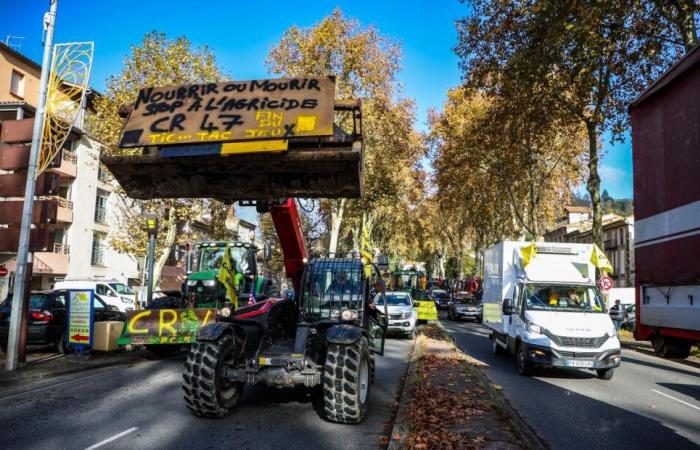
546 309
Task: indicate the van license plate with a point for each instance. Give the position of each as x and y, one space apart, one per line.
575 363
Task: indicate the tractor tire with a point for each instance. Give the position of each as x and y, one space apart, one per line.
346 382
207 393
163 350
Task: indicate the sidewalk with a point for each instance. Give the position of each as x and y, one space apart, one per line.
447 403
41 366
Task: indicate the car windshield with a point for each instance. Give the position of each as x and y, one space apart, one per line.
440 294
467 301
566 298
393 300
121 288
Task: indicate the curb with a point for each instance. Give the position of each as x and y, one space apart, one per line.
530 438
401 427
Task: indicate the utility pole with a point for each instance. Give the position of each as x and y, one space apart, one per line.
152 229
23 249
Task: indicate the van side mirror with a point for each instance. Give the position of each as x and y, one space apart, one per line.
507 307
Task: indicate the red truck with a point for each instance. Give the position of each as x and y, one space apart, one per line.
666 156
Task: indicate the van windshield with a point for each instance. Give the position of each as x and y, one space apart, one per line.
121 288
566 298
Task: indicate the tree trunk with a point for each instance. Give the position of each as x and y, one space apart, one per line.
337 210
167 247
593 184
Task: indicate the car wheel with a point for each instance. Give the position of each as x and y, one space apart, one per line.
524 366
411 334
605 374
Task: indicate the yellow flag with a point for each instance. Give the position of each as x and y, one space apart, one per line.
366 251
227 277
601 261
527 253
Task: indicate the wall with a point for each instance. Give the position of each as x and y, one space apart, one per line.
31 79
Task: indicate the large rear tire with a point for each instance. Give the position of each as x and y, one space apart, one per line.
346 382
207 392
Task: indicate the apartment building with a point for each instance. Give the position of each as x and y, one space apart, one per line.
576 226
79 233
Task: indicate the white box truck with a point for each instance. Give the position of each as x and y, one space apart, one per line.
543 306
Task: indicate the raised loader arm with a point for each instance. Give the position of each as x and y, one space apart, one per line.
288 226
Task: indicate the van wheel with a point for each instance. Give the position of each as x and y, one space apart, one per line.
524 366
605 374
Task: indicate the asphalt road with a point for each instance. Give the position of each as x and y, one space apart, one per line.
141 407
649 403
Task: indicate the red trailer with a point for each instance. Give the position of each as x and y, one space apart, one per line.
666 155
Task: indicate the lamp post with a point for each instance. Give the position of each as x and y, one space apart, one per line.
152 230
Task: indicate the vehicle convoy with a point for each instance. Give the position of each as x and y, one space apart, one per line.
665 141
414 282
329 333
542 305
402 317
441 298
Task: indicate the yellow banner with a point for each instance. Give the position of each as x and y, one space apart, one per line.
227 277
426 310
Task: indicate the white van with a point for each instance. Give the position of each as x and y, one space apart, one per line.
544 307
113 292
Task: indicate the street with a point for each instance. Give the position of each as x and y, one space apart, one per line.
649 403
141 407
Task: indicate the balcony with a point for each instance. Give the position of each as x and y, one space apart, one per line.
61 249
65 210
68 167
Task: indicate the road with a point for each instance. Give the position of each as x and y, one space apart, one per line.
649 403
141 407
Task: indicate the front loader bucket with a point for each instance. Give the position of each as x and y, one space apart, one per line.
322 167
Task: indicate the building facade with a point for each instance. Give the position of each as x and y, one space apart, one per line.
79 245
618 237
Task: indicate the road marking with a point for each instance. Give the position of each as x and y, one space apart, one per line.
676 399
113 438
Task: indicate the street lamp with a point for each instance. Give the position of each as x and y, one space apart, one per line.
152 230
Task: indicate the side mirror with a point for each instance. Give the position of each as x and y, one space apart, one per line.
507 307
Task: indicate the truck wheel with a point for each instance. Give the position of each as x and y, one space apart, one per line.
605 374
524 366
163 350
207 392
346 382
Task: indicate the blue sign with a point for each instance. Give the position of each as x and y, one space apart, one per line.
81 318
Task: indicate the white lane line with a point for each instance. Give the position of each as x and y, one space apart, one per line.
676 399
113 438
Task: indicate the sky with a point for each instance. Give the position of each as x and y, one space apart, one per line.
241 34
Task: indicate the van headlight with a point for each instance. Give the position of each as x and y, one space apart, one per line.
209 283
612 332
535 328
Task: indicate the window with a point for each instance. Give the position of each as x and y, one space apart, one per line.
17 84
98 249
101 207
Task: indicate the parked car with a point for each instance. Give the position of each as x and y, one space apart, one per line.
440 297
402 317
466 307
48 318
113 292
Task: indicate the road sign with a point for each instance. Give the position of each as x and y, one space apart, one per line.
80 317
605 283
231 111
3 272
